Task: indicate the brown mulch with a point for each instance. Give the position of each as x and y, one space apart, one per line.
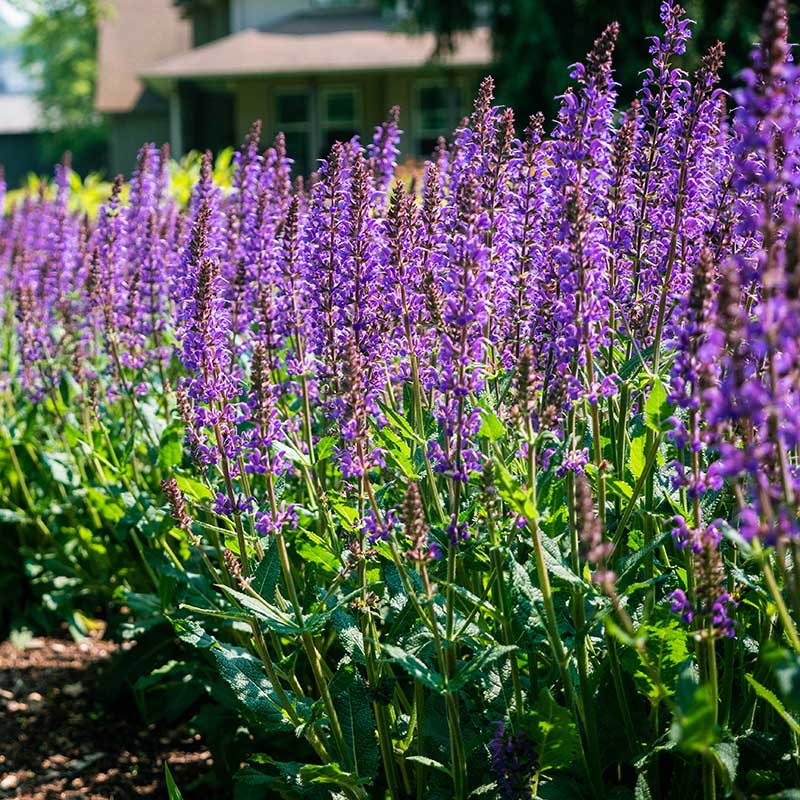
57 741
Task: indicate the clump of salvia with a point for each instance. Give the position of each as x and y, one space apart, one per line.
429 439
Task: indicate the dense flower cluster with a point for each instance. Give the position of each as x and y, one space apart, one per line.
666 227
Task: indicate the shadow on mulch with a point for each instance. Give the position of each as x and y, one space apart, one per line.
57 741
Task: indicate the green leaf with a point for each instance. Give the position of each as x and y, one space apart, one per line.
293 454
786 668
194 490
333 774
352 702
192 633
242 673
415 667
271 615
693 728
310 547
667 651
400 423
727 755
620 488
554 732
11 516
769 696
254 784
634 364
324 448
397 451
626 568
637 457
491 427
656 408
429 762
268 571
61 468
556 565
173 792
525 601
520 500
349 634
170 449
348 516
478 666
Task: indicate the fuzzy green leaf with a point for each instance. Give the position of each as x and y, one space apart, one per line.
656 408
693 728
491 426
351 699
554 732
268 572
768 696
170 449
727 755
333 774
478 666
414 666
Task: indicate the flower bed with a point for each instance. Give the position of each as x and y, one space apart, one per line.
484 486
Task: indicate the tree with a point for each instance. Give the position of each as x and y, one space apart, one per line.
59 47
535 40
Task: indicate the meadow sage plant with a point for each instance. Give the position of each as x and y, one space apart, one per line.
482 484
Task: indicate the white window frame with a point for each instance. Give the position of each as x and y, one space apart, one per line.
452 88
307 127
456 88
289 91
316 126
326 91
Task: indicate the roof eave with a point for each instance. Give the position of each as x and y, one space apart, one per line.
167 82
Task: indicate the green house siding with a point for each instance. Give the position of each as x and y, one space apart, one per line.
128 132
317 109
21 153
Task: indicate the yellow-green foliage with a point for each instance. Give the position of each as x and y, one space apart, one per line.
89 193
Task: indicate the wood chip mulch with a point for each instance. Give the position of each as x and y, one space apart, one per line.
57 741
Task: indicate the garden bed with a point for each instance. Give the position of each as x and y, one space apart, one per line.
57 741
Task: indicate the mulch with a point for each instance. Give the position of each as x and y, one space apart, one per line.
57 741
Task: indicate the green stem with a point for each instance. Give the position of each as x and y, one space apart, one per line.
783 612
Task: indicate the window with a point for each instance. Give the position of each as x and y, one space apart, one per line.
312 119
439 104
340 116
293 117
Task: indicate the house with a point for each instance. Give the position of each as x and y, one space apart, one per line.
318 70
131 36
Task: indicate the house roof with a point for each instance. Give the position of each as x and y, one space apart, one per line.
131 36
318 42
20 113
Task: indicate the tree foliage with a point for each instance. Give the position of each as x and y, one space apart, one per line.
59 48
536 40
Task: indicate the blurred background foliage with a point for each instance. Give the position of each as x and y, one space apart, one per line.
59 50
89 193
536 40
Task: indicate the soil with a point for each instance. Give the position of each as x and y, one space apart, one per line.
57 741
